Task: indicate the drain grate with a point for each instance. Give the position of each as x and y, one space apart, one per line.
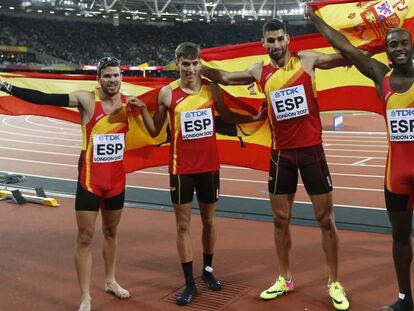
209 300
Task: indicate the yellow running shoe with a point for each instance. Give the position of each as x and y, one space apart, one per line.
280 287
338 296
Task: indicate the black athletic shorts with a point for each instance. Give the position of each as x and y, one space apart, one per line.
87 201
398 202
309 161
206 185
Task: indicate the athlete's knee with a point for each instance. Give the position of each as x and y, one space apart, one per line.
183 226
85 237
109 232
281 221
326 221
208 223
401 235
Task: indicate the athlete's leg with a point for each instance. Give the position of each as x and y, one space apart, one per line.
282 213
208 216
400 215
185 251
323 208
83 257
183 220
317 180
110 222
87 207
181 191
401 247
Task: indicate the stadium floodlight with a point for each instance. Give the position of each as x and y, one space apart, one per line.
25 4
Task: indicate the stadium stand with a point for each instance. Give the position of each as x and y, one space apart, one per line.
82 43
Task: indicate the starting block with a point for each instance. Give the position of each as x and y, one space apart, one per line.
19 198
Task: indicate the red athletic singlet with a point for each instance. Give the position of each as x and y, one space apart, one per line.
293 111
193 141
399 116
101 169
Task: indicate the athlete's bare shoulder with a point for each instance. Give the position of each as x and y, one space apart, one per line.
256 70
164 96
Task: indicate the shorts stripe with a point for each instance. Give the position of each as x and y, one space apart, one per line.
277 170
179 189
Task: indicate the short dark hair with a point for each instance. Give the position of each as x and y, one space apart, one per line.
396 30
273 25
107 62
187 49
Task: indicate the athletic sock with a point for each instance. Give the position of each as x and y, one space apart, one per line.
207 260
207 275
188 273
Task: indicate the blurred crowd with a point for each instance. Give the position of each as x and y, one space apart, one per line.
85 42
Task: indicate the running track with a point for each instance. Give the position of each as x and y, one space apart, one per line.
356 156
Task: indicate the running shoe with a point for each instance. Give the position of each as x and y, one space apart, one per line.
186 296
279 288
209 279
338 296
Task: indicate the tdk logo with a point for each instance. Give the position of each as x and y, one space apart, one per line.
196 113
287 92
402 113
110 137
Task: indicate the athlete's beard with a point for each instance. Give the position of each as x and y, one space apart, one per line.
277 56
110 94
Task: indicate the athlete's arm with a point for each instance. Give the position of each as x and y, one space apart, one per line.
41 98
146 116
369 67
154 124
230 78
228 115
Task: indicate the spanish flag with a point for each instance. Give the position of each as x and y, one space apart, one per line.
142 150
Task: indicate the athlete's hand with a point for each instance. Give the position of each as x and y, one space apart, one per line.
260 115
136 102
5 87
309 13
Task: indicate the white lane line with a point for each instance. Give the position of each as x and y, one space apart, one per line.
39 151
70 125
358 145
369 141
38 162
53 128
354 157
350 164
39 143
357 175
362 162
11 134
222 195
356 150
28 129
356 133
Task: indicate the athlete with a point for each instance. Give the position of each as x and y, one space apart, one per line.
101 181
293 114
396 91
190 103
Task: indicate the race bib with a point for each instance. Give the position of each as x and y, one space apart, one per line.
289 103
108 148
401 124
196 124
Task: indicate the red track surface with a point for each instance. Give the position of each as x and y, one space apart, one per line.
37 243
